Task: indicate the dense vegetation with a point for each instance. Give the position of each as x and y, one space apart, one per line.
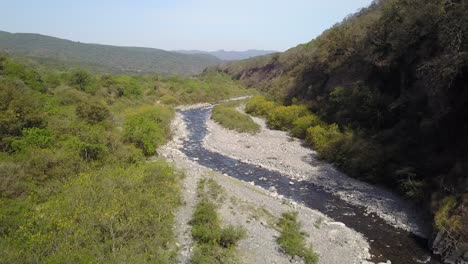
390 83
55 52
292 240
75 184
226 55
230 118
214 243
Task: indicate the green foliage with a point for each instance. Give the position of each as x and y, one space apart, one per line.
148 127
29 76
232 119
128 86
259 106
321 137
206 253
83 80
208 87
34 137
92 111
214 244
445 219
65 55
356 105
283 117
301 124
292 239
19 108
117 214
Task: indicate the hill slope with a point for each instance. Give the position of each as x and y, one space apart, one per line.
395 74
108 58
230 55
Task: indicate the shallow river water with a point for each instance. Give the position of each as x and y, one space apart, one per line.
387 242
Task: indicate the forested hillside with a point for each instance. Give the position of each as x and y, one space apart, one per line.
227 55
77 184
104 58
389 84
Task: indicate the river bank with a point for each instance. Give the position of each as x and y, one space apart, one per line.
276 150
257 210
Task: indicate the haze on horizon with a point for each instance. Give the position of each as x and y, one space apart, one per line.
181 24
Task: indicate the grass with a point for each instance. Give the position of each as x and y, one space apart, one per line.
292 239
214 244
231 119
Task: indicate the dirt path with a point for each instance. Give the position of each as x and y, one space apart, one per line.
257 211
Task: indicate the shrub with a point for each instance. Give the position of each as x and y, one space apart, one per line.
292 239
34 137
20 108
120 213
93 112
322 137
445 218
128 86
205 222
168 99
232 119
89 152
148 127
283 117
214 244
231 235
259 106
83 80
300 125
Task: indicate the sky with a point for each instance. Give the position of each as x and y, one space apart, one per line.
179 24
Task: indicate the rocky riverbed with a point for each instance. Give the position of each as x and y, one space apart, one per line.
276 150
256 210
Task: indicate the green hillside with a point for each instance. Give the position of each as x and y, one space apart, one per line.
391 83
64 53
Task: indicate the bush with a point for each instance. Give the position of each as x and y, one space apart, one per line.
292 239
322 137
93 112
34 137
121 213
214 244
300 125
90 152
148 127
232 119
205 222
231 235
283 117
259 106
20 108
445 219
83 80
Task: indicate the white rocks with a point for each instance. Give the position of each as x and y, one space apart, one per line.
273 150
336 224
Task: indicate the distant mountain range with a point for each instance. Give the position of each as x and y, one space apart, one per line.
56 51
230 55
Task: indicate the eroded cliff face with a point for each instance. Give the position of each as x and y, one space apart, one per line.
397 72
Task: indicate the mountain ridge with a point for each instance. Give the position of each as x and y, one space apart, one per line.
116 58
230 55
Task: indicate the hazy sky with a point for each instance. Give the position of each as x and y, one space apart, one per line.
179 24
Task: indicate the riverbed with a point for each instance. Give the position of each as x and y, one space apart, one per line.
386 221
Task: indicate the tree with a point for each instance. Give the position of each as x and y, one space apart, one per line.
82 79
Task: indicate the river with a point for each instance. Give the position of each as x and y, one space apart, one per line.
387 242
